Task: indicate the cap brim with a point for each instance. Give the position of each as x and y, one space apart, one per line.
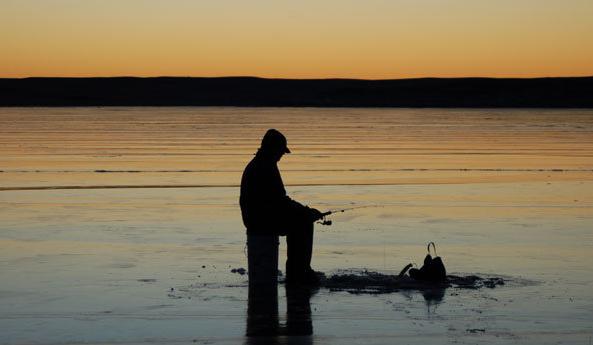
286 150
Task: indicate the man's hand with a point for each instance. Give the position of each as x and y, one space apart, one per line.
314 214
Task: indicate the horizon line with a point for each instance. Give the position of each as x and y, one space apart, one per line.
283 78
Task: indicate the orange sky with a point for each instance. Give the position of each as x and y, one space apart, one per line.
296 39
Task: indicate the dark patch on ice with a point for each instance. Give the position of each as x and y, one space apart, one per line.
364 281
475 330
173 295
239 270
147 280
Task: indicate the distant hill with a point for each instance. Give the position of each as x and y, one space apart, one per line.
250 91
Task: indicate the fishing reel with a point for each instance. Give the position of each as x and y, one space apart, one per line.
323 220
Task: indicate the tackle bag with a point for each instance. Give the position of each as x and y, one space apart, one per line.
433 269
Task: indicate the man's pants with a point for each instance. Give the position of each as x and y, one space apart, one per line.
300 249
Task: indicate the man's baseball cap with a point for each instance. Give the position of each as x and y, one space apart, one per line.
273 139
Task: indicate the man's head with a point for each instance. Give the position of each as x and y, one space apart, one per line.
274 143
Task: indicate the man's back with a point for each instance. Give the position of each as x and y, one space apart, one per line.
261 191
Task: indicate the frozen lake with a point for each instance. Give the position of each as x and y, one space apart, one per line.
121 225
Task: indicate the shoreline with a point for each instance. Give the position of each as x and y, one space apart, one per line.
552 92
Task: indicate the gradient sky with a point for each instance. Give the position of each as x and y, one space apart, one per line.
296 38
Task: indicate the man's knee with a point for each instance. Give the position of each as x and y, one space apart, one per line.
300 229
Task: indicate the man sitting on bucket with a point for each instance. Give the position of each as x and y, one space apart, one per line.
268 213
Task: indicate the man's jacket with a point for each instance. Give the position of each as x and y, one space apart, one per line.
265 207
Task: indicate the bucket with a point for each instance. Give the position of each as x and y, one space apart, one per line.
262 258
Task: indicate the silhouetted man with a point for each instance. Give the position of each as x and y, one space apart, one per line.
268 213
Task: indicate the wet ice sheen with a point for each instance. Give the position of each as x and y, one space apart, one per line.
503 192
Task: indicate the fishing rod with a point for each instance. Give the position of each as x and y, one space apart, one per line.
328 222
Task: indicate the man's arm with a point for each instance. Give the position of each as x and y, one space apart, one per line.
288 207
299 209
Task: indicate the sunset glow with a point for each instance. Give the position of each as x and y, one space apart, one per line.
373 39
